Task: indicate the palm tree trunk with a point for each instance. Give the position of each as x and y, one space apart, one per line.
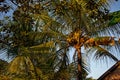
79 64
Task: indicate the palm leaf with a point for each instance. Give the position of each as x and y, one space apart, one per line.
21 66
114 18
101 53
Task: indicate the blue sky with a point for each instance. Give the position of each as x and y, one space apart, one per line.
115 6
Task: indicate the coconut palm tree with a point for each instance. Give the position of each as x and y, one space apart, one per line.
25 44
69 23
31 42
83 18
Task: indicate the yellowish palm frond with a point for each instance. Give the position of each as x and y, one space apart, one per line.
100 41
20 64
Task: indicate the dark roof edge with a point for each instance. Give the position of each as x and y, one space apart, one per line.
109 70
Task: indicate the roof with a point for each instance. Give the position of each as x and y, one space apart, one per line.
112 74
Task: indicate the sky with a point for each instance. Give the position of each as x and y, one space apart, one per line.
97 68
115 6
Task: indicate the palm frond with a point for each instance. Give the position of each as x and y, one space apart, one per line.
85 64
114 18
43 48
101 53
21 66
62 59
112 28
